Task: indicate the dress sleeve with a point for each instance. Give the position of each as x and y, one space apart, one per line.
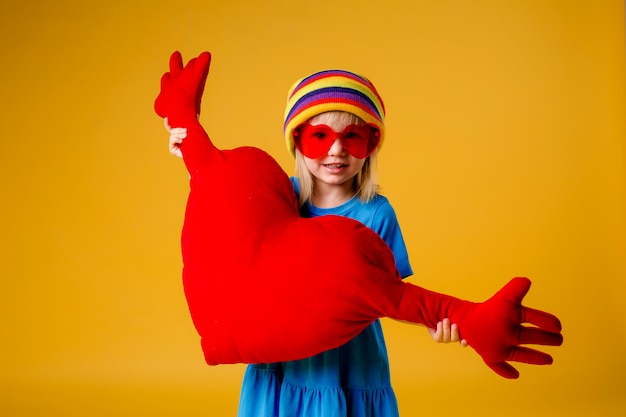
386 225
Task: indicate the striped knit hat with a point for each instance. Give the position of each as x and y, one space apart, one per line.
332 90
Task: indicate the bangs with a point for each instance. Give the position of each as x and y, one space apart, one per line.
331 117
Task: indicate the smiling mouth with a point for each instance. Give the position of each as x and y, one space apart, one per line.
334 166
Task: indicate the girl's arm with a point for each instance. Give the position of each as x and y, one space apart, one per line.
388 228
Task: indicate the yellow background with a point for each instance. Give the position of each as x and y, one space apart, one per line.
505 156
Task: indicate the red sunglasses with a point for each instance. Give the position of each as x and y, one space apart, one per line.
314 141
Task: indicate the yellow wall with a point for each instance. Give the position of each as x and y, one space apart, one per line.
505 156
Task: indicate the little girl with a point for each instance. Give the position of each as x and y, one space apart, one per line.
334 127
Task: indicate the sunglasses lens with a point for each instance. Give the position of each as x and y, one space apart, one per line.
359 141
315 141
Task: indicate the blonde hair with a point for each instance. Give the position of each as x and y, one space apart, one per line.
364 186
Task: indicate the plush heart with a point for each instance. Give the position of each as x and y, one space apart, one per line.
265 285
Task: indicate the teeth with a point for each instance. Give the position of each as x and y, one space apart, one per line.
334 165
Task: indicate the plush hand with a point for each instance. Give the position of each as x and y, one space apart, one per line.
182 88
265 285
493 328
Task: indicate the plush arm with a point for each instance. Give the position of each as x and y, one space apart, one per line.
493 328
180 101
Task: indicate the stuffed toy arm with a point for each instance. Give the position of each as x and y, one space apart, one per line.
493 328
180 101
265 285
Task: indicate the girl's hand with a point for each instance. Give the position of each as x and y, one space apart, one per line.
446 333
177 135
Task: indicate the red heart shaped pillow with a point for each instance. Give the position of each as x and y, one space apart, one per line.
265 285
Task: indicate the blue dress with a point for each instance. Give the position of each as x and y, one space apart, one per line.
349 381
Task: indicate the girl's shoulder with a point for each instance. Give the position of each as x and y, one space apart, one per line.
375 213
381 206
379 200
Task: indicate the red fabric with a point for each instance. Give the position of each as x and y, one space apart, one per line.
265 285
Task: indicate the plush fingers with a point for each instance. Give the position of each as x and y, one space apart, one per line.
527 355
541 319
505 370
535 336
531 356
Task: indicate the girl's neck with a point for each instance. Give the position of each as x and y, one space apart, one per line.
330 196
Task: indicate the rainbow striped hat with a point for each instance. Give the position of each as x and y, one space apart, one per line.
332 90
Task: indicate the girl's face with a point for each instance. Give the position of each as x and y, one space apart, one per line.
336 167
